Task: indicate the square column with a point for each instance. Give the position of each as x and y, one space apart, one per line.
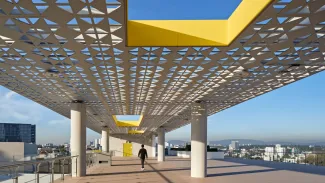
105 140
78 139
161 145
199 141
153 145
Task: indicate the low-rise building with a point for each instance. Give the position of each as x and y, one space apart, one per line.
17 151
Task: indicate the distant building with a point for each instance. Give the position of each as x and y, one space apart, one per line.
234 145
97 143
280 151
91 143
13 132
166 144
49 145
269 154
274 153
67 146
17 151
294 151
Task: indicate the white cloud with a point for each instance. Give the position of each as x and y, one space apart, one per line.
10 94
60 122
18 109
50 126
20 116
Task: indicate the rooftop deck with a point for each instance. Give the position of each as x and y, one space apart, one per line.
177 170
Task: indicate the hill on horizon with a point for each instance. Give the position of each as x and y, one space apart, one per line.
177 142
226 142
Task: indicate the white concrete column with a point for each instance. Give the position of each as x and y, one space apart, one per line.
78 139
153 146
105 140
199 140
161 144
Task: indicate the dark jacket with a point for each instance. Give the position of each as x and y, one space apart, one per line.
143 153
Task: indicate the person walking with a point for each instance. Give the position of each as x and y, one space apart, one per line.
142 155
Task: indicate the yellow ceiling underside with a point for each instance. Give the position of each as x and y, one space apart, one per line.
135 132
194 32
127 123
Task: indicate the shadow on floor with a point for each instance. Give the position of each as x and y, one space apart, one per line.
160 174
126 160
130 164
161 170
311 169
273 166
178 160
241 172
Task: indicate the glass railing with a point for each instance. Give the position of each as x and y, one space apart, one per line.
40 170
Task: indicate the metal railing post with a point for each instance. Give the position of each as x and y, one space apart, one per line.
305 159
15 168
15 175
87 160
110 158
70 166
52 174
62 169
37 172
76 166
15 179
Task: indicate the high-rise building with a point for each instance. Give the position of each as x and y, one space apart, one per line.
97 143
269 154
234 145
280 151
13 132
274 153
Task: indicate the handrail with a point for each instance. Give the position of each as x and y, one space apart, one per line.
105 154
35 162
14 168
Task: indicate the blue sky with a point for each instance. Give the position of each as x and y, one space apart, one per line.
50 126
292 113
181 9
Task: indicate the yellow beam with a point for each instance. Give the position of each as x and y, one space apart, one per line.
135 131
245 13
176 32
127 123
194 32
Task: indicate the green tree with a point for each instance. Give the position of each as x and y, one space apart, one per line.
320 159
62 149
188 148
286 156
310 159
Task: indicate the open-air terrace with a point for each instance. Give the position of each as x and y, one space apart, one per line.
178 170
89 62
